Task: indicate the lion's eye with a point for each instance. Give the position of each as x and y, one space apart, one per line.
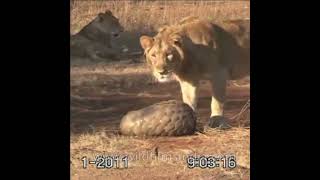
153 55
170 56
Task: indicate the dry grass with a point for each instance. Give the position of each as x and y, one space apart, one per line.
145 16
170 158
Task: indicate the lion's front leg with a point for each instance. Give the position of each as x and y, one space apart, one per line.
218 84
189 93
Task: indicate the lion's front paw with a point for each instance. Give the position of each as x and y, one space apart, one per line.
218 122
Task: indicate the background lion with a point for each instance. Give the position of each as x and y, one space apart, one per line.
195 50
94 40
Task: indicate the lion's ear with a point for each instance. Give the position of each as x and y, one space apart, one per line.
163 28
108 12
176 40
146 42
100 17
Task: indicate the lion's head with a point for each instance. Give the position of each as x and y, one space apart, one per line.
107 23
164 53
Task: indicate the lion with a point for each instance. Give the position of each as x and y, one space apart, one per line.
195 50
94 40
239 28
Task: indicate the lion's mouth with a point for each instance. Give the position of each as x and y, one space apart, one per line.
165 77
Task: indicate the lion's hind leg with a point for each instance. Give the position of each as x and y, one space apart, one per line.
218 84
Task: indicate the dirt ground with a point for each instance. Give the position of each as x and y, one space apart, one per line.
101 93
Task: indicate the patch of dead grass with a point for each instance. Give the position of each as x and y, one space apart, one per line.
171 152
156 13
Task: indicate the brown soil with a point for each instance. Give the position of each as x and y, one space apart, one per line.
107 110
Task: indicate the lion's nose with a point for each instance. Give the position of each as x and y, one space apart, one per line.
163 72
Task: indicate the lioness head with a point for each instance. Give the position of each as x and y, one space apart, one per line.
164 54
108 24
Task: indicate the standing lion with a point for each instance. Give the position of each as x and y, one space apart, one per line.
195 50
